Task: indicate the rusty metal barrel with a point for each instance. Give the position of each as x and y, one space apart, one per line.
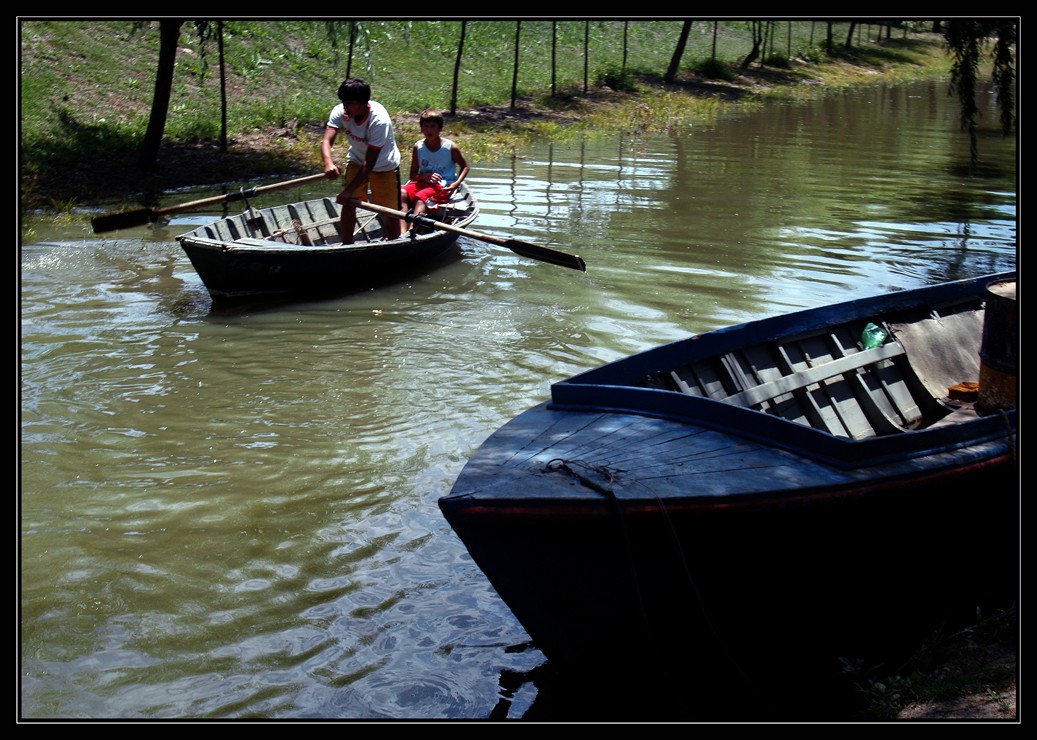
999 351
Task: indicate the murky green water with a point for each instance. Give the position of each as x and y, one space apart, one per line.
230 512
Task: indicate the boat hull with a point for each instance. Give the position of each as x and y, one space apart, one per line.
842 566
626 523
229 273
295 249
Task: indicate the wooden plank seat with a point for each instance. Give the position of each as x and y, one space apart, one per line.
819 381
324 231
758 394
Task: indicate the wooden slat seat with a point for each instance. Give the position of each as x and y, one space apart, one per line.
809 376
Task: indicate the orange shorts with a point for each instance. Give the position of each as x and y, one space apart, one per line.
384 187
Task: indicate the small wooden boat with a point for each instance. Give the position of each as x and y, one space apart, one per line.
763 497
296 248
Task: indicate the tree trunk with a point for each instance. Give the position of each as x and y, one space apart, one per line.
457 69
757 31
626 25
586 51
169 35
223 88
675 61
849 34
352 40
514 75
554 44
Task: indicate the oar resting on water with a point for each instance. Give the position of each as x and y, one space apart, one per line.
533 251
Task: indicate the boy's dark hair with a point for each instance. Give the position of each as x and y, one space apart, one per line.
431 115
354 89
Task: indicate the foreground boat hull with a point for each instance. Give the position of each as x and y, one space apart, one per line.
841 566
625 523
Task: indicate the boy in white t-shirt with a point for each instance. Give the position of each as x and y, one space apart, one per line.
373 159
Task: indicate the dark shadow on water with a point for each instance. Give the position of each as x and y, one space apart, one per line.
224 308
792 689
674 694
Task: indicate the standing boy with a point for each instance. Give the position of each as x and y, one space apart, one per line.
373 161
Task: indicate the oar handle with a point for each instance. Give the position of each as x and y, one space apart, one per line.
142 216
242 194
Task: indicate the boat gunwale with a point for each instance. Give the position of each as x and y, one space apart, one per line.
477 507
265 245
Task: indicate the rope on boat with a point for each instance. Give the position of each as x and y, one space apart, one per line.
1011 435
610 475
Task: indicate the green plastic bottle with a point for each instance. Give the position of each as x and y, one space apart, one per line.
873 336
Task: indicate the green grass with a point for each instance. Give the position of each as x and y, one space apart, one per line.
99 76
86 86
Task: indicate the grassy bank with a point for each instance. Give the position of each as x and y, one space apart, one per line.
86 89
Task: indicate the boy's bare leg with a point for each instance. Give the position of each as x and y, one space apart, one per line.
391 227
347 224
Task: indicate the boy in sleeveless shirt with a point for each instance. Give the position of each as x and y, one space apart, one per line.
437 166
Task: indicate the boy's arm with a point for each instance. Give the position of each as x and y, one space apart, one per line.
361 176
462 165
330 168
414 163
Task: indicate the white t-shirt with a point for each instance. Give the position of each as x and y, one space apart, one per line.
374 131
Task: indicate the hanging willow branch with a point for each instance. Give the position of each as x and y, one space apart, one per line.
965 39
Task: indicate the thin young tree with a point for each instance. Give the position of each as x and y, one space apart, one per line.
586 51
223 88
554 44
352 41
756 29
626 26
514 74
675 60
169 36
457 69
849 35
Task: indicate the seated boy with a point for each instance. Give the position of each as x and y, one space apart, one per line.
437 166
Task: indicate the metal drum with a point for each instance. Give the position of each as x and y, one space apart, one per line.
999 352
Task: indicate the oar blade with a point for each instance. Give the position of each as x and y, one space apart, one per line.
124 220
553 256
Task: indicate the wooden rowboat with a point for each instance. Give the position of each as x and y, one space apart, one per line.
764 497
296 248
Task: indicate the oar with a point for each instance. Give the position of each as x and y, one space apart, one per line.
525 249
142 216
